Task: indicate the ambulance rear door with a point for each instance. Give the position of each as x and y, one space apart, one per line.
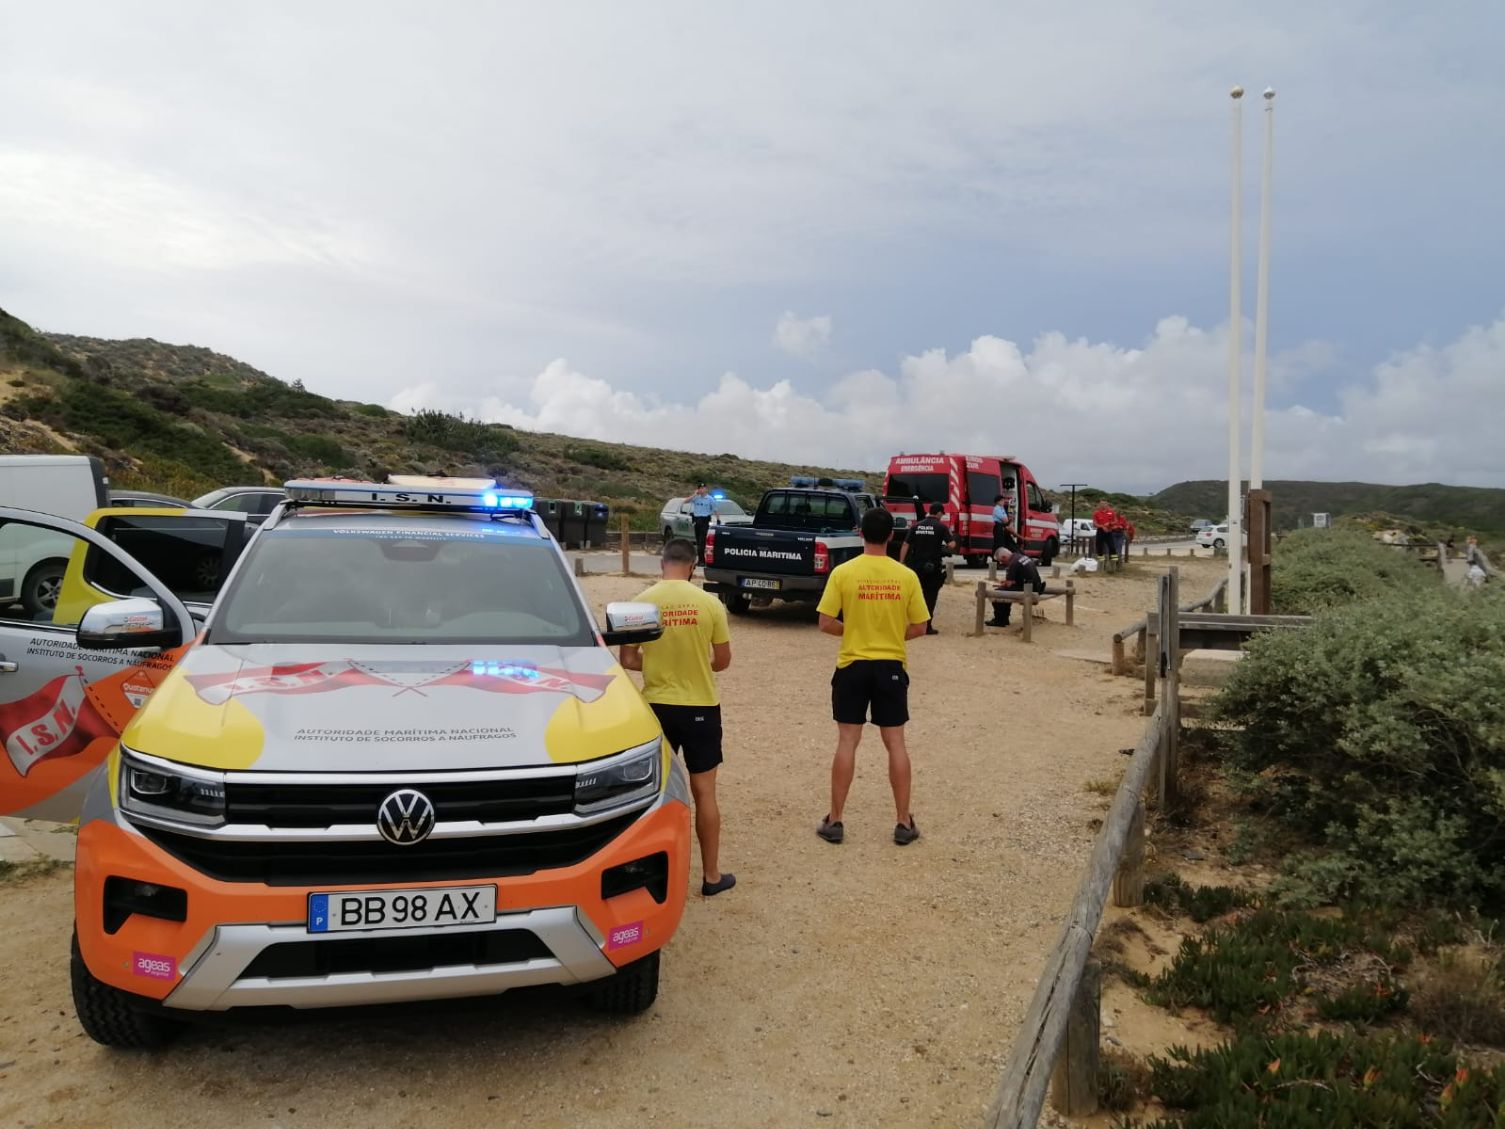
984 484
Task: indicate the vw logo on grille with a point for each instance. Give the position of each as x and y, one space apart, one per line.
405 817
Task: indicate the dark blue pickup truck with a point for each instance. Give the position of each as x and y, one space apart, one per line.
796 538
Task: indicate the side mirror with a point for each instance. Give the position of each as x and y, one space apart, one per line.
119 624
629 624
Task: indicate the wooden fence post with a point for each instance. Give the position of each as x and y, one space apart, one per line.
1171 685
626 547
992 569
950 573
982 603
1071 605
1152 631
1029 613
1128 880
1120 662
1074 1083
579 566
1139 642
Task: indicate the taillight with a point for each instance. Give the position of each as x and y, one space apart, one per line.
822 558
710 546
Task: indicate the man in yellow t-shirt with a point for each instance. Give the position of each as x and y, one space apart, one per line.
880 608
679 682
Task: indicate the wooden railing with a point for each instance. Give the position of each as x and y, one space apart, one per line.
1057 1045
1139 630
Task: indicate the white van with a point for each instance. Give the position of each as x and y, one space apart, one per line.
32 560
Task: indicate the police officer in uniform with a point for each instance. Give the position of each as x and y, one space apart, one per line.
925 551
1020 572
702 510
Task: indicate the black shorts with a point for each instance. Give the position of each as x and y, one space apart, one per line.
693 730
881 685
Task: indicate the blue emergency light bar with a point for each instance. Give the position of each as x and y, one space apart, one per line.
411 491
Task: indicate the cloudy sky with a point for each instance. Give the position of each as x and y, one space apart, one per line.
822 232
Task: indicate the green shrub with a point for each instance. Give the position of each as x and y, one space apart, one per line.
1322 1080
1317 569
320 448
1377 737
454 432
1265 968
166 476
1200 903
263 399
1461 996
598 457
1123 1080
127 423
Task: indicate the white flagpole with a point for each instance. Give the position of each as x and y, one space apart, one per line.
1235 351
1262 304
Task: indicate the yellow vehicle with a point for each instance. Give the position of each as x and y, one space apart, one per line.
191 551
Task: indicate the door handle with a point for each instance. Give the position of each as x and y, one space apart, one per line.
7 667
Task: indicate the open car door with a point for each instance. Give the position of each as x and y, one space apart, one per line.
62 704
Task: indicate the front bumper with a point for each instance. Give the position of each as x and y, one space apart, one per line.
215 977
208 962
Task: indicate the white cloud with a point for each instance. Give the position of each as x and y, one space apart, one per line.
805 338
1127 418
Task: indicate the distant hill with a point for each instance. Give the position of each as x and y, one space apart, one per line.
184 419
1431 505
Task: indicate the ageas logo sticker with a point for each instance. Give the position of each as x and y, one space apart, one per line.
154 965
624 935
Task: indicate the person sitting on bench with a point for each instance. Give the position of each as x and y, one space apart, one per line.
1020 572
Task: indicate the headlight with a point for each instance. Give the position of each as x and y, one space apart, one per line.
634 776
172 792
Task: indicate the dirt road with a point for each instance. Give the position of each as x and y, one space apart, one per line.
836 986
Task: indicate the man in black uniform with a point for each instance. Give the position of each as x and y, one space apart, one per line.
1020 572
925 551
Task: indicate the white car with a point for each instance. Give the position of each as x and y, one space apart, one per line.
1078 528
34 559
675 518
1216 537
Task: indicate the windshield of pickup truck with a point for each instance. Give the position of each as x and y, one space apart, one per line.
808 511
400 580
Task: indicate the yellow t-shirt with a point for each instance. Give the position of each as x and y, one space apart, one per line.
877 598
677 667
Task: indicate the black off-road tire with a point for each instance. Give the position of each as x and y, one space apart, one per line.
1050 552
106 1013
42 587
1219 543
668 535
738 603
630 990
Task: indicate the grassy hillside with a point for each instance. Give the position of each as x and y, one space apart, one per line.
185 419
1429 506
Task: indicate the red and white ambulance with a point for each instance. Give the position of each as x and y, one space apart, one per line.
968 485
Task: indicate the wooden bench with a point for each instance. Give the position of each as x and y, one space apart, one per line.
1029 599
